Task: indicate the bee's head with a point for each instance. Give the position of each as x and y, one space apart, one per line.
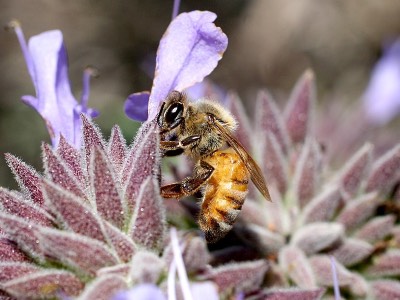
172 111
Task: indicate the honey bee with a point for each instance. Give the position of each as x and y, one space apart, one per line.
200 129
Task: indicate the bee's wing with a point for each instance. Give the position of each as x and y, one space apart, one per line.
251 165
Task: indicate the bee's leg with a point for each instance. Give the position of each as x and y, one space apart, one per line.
189 185
173 148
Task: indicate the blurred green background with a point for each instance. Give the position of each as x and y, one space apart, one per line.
271 42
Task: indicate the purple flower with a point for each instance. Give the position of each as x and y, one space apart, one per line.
141 292
46 60
189 50
382 97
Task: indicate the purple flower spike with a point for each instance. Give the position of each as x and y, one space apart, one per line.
189 50
382 97
47 64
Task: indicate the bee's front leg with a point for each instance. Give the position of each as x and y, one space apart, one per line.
189 185
173 148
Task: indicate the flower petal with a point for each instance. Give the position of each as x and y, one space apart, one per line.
143 292
136 106
55 101
189 50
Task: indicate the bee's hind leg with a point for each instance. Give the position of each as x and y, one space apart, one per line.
189 185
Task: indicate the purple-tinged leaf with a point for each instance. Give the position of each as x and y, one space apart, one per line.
318 236
146 267
358 210
59 173
275 166
307 172
295 264
269 119
12 270
28 179
387 264
195 254
122 244
104 287
22 233
73 212
147 226
9 251
376 229
263 239
396 236
44 284
243 132
322 207
91 137
294 293
189 50
71 158
385 289
359 286
239 276
355 170
83 254
321 264
121 270
352 252
108 201
298 114
141 163
385 171
14 204
117 149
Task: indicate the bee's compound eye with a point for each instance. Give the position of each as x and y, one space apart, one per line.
173 112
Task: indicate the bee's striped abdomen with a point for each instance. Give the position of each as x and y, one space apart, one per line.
224 194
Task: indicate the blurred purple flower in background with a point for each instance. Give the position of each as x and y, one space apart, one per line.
189 50
47 63
144 291
382 96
